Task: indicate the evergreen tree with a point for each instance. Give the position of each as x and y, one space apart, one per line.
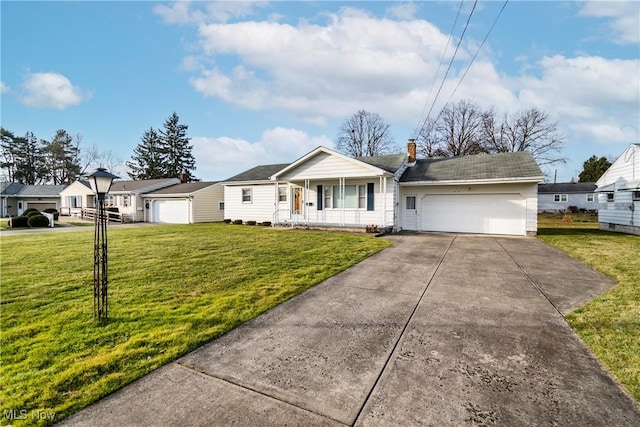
593 168
8 162
29 161
61 159
176 149
147 161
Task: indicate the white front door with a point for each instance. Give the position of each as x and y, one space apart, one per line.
410 212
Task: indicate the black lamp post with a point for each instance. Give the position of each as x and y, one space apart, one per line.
100 182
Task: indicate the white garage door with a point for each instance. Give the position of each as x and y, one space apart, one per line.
170 211
474 213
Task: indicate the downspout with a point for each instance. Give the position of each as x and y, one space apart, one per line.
306 201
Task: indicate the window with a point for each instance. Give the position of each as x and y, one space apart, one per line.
350 198
636 195
220 206
610 197
125 200
327 197
591 198
74 201
246 195
282 194
411 202
362 196
560 198
110 200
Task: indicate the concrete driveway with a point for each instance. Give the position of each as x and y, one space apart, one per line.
436 330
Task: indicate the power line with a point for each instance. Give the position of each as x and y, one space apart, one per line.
477 52
435 79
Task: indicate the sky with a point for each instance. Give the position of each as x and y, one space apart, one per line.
267 82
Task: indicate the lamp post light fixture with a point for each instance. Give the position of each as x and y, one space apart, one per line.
100 182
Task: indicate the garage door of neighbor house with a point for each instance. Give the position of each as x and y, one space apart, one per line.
41 206
474 213
170 211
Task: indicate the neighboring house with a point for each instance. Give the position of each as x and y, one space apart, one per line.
127 196
16 198
558 197
185 203
619 193
494 194
76 197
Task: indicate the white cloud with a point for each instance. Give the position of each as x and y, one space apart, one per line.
4 88
51 90
623 15
405 10
223 157
182 12
355 61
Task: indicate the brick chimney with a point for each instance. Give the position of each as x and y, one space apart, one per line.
411 151
183 177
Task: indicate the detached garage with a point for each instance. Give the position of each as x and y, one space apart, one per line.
486 194
185 203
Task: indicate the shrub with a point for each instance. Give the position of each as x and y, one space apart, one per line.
19 221
31 213
28 211
251 223
237 221
38 221
572 209
55 213
227 221
267 223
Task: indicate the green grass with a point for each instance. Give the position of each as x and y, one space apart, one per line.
171 289
609 324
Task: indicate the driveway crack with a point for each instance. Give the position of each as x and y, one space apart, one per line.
404 329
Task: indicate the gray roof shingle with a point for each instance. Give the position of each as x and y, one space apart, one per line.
185 188
567 187
390 163
477 167
259 173
33 190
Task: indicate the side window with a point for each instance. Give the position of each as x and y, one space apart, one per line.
220 206
246 195
590 198
610 197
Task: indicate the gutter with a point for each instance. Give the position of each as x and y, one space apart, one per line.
532 180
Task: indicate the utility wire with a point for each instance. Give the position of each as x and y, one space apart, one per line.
435 79
477 52
449 67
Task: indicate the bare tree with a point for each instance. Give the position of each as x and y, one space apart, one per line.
458 130
427 140
365 134
528 130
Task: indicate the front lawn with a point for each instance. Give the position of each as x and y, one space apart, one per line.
609 324
171 289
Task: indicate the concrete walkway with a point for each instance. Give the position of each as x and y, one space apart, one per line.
436 330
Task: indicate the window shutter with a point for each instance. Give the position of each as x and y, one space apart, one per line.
370 200
320 197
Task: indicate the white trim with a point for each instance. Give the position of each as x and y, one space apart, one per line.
473 181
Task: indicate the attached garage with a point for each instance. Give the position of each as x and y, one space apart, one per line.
474 213
484 194
170 211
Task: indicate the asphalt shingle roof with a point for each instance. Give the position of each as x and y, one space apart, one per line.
33 190
185 188
259 173
482 166
134 185
390 163
567 187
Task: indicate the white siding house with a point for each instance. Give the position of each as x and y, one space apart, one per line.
494 194
76 197
559 197
619 193
185 203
